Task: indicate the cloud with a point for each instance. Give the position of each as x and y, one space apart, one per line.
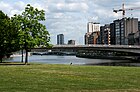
19 5
70 17
5 7
67 7
11 9
77 7
75 1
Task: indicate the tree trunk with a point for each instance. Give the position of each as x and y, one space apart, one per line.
22 56
26 56
0 59
26 53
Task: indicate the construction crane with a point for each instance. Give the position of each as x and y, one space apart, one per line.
123 10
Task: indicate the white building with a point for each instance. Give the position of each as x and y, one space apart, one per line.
92 34
93 27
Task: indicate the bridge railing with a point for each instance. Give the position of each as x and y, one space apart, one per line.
115 46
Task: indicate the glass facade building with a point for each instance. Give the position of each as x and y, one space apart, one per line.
60 39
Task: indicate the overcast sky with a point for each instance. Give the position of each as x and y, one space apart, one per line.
70 17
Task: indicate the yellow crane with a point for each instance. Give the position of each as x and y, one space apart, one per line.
125 9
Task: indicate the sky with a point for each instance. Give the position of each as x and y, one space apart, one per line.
70 17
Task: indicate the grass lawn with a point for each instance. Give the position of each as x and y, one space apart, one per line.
68 78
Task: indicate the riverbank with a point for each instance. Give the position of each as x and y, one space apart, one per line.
130 58
122 60
11 63
68 78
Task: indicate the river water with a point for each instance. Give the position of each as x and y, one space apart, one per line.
52 59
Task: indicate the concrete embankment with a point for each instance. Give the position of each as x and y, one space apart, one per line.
103 57
122 60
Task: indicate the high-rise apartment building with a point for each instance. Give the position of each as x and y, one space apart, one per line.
131 26
119 32
105 34
101 35
125 31
112 34
60 39
90 27
137 35
93 27
92 34
92 38
124 27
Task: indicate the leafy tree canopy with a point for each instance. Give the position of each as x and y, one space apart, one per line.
32 33
8 36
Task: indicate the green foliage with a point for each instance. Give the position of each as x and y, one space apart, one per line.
8 36
22 31
32 32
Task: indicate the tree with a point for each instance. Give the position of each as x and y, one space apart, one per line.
32 32
8 36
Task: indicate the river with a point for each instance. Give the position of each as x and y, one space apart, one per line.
52 59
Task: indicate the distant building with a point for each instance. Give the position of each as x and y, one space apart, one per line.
93 29
119 32
125 31
131 40
60 39
137 35
131 26
123 28
101 37
87 35
139 25
112 34
105 34
96 27
71 42
90 27
137 38
92 38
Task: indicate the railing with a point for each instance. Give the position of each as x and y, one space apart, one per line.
117 46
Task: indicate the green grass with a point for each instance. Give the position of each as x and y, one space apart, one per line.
66 78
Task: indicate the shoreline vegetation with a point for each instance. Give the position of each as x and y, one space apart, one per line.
69 78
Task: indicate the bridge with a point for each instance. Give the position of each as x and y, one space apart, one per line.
75 48
96 51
